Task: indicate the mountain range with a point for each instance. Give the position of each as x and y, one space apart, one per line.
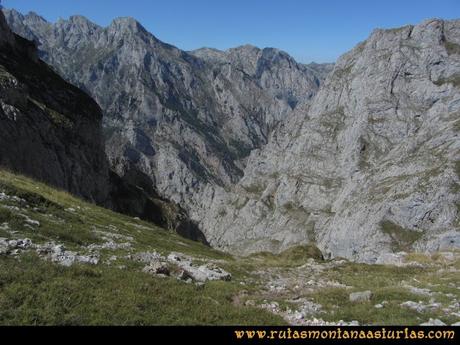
254 150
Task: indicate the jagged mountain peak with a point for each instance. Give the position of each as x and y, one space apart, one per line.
210 54
35 16
245 47
81 21
127 24
371 166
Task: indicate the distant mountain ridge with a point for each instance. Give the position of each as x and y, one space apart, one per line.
184 120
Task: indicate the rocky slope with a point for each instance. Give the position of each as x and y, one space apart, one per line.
188 121
372 167
49 129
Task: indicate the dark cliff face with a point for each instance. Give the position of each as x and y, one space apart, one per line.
49 129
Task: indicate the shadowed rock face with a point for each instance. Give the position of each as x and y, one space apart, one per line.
49 129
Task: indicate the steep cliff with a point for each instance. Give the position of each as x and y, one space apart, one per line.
371 167
49 129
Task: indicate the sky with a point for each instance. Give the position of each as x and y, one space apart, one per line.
308 30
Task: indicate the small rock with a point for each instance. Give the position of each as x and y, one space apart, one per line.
146 257
397 259
420 291
24 243
32 222
433 322
184 275
419 307
299 316
111 245
378 306
456 324
175 257
250 303
57 249
363 296
202 273
157 268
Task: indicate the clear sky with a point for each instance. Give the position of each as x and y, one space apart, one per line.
309 30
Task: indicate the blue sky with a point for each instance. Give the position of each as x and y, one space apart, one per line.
309 30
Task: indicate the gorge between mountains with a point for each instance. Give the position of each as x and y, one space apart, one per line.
245 149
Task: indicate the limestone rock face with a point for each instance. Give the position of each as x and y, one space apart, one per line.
371 167
49 129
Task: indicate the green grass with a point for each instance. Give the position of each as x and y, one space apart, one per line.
292 257
34 292
57 118
452 48
402 238
51 208
386 284
335 300
454 80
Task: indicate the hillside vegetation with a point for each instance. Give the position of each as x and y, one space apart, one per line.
67 262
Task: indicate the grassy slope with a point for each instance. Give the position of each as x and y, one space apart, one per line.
388 284
33 291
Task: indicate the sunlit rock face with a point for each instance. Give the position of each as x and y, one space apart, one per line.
371 167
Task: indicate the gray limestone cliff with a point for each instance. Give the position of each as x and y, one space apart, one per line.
371 167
